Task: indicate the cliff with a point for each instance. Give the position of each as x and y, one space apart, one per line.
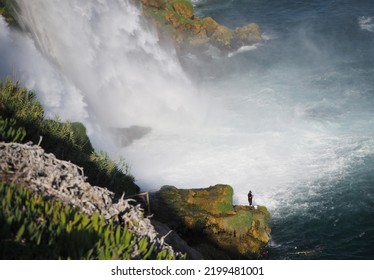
176 19
207 219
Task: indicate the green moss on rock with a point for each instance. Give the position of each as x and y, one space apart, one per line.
183 8
208 215
176 17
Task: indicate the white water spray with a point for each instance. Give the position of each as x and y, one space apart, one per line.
108 52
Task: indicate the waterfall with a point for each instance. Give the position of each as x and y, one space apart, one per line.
113 57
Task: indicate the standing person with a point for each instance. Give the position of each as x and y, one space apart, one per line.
250 197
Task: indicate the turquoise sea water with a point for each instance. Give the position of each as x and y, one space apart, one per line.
318 59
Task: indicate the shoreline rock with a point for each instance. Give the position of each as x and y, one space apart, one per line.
207 217
176 19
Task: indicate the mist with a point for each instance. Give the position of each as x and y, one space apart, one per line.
21 61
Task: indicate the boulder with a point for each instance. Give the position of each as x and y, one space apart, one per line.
206 217
248 34
222 37
210 25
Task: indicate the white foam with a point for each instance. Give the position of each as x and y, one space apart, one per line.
243 49
366 23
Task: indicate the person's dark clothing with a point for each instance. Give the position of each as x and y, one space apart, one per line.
250 197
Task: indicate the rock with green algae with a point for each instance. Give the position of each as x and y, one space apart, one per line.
183 8
207 216
191 32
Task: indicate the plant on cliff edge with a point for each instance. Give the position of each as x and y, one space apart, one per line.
33 227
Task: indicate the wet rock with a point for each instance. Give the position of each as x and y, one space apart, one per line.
248 34
222 37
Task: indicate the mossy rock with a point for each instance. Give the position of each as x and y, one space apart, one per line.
210 25
190 32
208 215
183 8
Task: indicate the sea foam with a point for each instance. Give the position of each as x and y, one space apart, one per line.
366 23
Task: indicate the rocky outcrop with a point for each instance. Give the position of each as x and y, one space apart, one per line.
206 218
190 32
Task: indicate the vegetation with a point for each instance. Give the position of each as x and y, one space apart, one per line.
22 118
34 228
9 131
7 11
163 10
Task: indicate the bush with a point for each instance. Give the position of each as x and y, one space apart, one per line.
7 11
19 103
10 132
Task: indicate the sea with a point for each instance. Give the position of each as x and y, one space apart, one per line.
291 118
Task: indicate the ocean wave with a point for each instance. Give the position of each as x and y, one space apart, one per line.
366 23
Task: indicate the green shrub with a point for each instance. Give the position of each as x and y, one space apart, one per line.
7 11
18 103
113 170
66 140
9 131
71 132
32 227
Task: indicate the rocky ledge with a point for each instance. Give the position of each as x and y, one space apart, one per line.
190 32
207 219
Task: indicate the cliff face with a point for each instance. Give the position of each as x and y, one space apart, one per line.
207 216
189 32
